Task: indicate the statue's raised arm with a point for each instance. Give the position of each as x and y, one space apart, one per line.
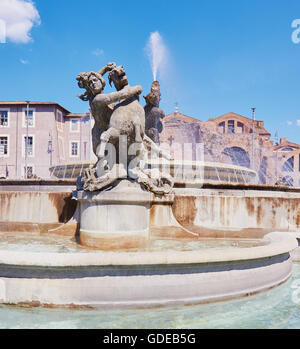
107 68
118 96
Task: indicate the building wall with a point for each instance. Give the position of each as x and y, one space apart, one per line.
229 138
51 122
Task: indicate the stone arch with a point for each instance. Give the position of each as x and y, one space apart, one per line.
288 165
238 155
290 168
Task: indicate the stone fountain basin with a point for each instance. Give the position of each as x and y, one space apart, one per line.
144 279
184 172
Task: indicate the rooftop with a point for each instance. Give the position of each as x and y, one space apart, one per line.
33 103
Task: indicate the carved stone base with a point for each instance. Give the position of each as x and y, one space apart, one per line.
115 219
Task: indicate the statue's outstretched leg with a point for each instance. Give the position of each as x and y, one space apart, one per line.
96 136
138 135
105 137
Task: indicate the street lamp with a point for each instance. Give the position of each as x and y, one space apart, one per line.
50 147
253 130
276 164
26 141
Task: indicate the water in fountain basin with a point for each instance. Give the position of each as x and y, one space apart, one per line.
60 244
272 309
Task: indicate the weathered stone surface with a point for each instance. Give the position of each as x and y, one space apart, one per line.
154 114
119 130
116 218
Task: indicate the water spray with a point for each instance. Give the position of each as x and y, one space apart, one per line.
156 53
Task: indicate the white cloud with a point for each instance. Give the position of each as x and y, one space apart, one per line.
98 52
289 123
298 122
23 61
19 17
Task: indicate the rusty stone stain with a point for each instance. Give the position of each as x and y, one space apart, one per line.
259 212
64 205
184 209
250 206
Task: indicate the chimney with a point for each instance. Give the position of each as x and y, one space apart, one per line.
283 140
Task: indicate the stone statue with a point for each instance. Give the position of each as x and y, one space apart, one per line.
122 126
154 114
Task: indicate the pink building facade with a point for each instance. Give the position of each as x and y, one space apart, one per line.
55 136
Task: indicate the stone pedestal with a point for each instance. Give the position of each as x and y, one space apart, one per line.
115 219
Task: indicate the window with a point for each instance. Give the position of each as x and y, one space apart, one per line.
288 180
287 149
74 125
231 126
28 117
173 120
86 122
288 166
240 128
59 120
30 171
221 127
74 149
4 118
3 145
29 146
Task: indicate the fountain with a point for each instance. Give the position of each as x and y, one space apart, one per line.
140 229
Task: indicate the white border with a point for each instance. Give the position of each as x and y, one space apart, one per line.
24 116
33 145
8 117
70 149
8 146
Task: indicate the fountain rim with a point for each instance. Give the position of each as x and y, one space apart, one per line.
171 163
276 243
203 164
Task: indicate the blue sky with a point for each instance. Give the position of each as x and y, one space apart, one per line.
223 55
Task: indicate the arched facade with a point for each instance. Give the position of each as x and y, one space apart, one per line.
230 138
238 156
290 167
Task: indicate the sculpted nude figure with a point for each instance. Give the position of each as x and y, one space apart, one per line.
111 121
126 118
